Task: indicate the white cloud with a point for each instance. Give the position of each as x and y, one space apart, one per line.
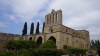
90 18
80 14
2 25
77 14
12 18
26 10
19 11
94 30
71 7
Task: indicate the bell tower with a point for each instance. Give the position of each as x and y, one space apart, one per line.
53 19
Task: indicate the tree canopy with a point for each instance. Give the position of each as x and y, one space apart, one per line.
37 28
95 44
24 32
32 29
43 27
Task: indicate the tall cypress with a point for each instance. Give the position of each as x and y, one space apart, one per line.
24 31
37 28
43 27
32 29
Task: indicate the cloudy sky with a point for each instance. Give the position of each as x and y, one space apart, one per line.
77 14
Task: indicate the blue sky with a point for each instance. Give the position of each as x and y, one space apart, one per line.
77 14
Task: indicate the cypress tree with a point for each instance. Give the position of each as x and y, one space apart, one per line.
32 29
43 27
24 31
37 28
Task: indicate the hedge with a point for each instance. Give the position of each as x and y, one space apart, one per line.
7 53
33 52
46 52
76 50
20 44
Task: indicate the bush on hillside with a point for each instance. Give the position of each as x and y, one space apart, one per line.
20 44
77 50
7 53
33 52
48 44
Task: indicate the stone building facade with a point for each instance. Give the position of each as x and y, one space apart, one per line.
60 34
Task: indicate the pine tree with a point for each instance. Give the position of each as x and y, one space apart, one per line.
37 28
43 27
95 44
24 32
32 29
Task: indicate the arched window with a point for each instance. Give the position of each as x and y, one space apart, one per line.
53 18
66 30
30 38
51 30
67 40
56 18
50 18
53 39
47 19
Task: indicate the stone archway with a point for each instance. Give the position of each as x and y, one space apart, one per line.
39 41
53 39
30 38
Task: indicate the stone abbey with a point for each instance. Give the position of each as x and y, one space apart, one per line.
60 34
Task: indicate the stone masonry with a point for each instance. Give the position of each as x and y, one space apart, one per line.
4 37
60 34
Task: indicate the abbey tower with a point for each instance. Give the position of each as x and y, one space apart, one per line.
52 21
60 34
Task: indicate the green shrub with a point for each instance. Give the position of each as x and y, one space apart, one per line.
7 53
2 53
23 52
33 52
46 52
77 50
20 44
48 44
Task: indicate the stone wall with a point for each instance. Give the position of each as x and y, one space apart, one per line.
4 37
8 36
64 35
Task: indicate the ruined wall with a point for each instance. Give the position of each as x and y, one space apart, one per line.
4 37
85 36
63 35
7 36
